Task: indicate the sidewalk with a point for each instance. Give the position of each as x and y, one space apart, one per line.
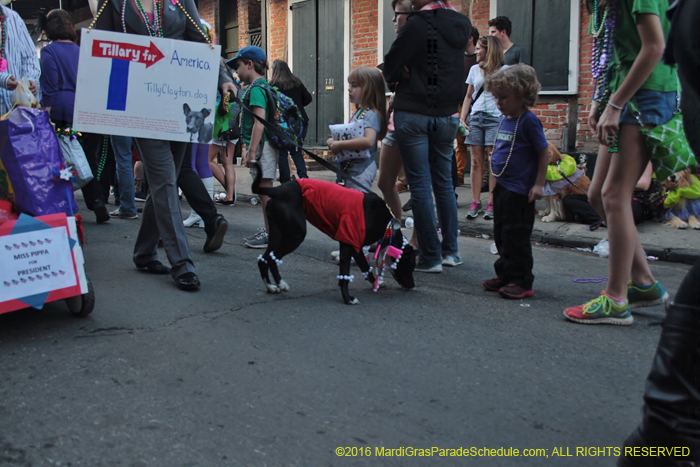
659 240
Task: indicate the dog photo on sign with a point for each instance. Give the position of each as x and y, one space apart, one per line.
196 124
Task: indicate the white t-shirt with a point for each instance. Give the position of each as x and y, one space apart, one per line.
486 102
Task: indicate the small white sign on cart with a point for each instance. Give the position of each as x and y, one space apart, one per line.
35 262
150 87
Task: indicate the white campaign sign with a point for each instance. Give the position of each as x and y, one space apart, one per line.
148 87
35 262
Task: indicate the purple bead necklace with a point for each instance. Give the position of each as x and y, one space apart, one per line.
603 49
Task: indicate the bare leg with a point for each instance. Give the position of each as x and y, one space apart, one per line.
216 169
389 167
229 172
595 191
265 183
477 173
627 257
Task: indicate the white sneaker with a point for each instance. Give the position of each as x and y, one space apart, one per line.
437 269
451 260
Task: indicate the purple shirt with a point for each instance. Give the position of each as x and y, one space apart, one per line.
59 72
520 174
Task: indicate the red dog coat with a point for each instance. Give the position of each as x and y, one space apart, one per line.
334 210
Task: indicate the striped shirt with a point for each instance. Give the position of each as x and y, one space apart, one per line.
20 54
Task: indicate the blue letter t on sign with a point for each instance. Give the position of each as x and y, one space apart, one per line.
118 83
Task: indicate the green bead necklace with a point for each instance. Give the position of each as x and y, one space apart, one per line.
155 28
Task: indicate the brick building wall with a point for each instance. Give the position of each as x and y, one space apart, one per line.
277 30
479 16
365 22
249 14
209 12
584 140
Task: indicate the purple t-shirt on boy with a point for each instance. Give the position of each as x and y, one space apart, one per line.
521 172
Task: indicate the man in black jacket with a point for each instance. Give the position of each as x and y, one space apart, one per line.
426 66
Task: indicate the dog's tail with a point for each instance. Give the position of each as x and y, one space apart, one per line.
256 180
256 188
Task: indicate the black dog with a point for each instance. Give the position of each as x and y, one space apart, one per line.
287 218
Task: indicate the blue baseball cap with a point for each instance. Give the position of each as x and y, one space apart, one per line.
249 52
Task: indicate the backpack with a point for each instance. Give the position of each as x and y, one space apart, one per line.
285 117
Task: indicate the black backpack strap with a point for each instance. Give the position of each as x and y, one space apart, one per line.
478 95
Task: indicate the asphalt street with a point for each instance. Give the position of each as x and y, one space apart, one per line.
233 376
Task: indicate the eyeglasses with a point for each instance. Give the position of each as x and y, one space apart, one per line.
397 13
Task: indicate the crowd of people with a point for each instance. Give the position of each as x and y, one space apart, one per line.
466 81
482 84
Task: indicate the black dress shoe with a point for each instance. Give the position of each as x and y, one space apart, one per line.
154 267
407 207
188 281
101 213
215 236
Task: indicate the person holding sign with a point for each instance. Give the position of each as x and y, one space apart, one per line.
161 219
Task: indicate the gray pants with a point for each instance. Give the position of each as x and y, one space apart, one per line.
161 218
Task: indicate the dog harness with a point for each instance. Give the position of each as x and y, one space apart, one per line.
334 210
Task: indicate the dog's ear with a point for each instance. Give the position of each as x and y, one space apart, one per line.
186 108
206 112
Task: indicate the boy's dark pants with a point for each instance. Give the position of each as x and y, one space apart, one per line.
513 219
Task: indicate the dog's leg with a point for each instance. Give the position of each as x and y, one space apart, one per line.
694 223
554 209
547 208
364 266
344 278
263 266
287 231
677 223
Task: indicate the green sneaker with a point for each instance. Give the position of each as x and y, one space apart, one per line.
601 310
638 297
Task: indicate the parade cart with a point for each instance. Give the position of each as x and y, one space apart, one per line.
41 259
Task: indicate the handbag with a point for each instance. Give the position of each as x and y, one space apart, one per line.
668 147
32 157
227 120
346 131
75 159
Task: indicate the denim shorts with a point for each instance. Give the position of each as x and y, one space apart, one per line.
654 107
389 139
483 129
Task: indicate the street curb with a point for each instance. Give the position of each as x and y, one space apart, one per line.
671 255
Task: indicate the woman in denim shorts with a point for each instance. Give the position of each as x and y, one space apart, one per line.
634 87
484 118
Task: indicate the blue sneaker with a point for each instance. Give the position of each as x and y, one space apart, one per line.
640 297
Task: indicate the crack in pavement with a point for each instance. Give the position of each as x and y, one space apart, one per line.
203 316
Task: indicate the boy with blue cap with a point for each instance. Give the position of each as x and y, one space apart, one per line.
251 65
